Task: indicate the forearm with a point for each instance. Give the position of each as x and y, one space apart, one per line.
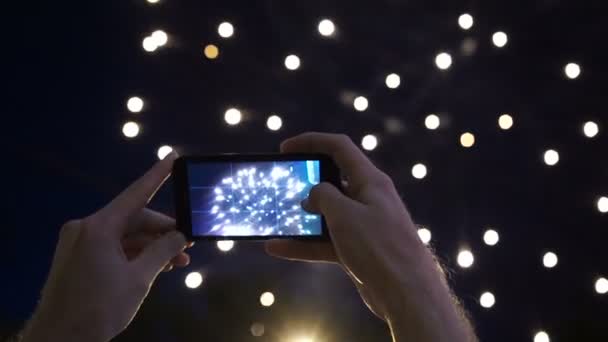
49 328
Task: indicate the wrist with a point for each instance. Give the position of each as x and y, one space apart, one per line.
53 327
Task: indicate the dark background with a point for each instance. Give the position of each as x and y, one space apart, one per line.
69 67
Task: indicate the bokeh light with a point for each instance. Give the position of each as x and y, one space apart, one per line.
590 129
274 122
505 121
369 142
465 21
419 171
149 44
292 62
465 258
432 121
233 116
211 51
572 70
491 237
164 151
225 30
135 104
551 157
601 285
500 39
225 245
257 329
467 139
541 336
550 260
326 27
160 37
302 339
153 1
267 299
130 129
487 300
443 61
193 280
425 235
602 204
360 103
392 81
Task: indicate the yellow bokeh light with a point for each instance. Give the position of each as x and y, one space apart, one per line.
467 139
267 299
211 51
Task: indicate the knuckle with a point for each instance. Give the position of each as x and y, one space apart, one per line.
70 226
384 181
344 139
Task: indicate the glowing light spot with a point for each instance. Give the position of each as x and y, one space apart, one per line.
443 61
465 21
225 245
432 122
164 151
274 122
211 51
491 237
500 39
393 81
292 62
149 44
419 171
369 142
130 129
360 103
233 116
465 258
425 235
326 27
225 30
267 299
487 300
541 336
572 70
194 280
505 121
551 157
590 129
602 204
135 104
160 37
550 260
601 285
257 329
467 140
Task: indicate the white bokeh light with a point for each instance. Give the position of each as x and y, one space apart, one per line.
164 151
326 27
225 30
369 142
465 258
432 122
135 104
500 39
601 285
233 116
425 235
267 299
602 204
487 300
225 245
193 280
419 171
153 1
551 157
274 122
550 260
572 70
491 237
443 61
257 329
505 122
149 44
130 129
467 139
160 37
360 103
392 81
590 129
541 336
465 21
292 62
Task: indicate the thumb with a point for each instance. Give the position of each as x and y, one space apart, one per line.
326 199
157 255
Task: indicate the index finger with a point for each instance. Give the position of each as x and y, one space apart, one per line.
350 159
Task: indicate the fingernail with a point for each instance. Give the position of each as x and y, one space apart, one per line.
190 244
304 203
172 156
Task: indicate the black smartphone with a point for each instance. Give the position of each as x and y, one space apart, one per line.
250 196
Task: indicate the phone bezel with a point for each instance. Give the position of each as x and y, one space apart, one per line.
329 172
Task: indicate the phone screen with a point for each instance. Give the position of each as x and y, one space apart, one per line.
252 198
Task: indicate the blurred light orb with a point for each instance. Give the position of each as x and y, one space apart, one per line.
500 39
149 44
257 329
432 122
465 258
326 27
590 129
393 81
541 336
487 300
551 157
211 51
274 122
360 103
601 285
443 61
153 1
467 139
292 62
267 299
505 122
550 260
465 21
160 37
193 280
130 129
602 204
225 245
419 171
572 70
425 235
369 142
225 30
491 237
468 46
303 339
233 116
135 104
164 151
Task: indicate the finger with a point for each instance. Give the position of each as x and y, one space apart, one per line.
301 250
168 268
151 222
181 260
350 159
158 254
138 194
326 199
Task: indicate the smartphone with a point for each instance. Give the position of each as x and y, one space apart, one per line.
250 196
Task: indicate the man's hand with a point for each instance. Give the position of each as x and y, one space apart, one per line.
375 241
105 264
